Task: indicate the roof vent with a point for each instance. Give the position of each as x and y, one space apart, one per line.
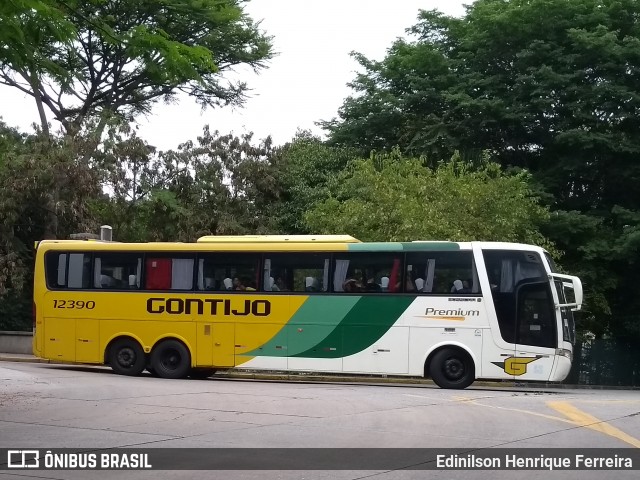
106 233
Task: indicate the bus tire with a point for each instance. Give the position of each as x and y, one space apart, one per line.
171 359
201 373
126 357
452 368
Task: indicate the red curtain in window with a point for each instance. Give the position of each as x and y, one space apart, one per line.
158 274
395 274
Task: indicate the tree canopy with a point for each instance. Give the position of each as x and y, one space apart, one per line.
82 60
393 198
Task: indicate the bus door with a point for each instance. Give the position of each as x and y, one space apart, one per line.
524 307
536 331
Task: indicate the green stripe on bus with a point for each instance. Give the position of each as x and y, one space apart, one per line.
366 323
403 247
314 321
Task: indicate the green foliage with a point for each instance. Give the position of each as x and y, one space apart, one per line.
15 310
32 166
389 197
220 185
305 169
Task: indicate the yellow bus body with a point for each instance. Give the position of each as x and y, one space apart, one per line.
83 335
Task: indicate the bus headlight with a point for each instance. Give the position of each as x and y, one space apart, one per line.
565 353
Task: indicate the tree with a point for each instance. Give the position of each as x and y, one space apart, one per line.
547 85
29 165
221 184
305 168
123 55
91 62
394 198
28 31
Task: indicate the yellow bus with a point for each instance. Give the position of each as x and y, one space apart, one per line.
451 311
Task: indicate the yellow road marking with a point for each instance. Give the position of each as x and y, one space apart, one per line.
519 410
584 419
606 402
576 417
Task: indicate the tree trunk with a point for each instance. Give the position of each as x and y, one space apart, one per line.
52 197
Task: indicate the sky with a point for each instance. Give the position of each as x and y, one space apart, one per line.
304 83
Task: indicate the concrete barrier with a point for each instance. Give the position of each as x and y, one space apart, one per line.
16 342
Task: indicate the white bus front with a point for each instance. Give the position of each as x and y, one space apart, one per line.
532 321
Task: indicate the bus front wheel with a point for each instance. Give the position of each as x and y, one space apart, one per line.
171 359
126 357
452 368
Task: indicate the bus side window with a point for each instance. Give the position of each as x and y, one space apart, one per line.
296 272
169 272
441 273
228 272
376 272
56 269
68 270
117 271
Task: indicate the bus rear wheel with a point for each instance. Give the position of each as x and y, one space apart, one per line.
452 368
126 357
171 359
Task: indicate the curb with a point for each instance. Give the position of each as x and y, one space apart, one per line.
22 359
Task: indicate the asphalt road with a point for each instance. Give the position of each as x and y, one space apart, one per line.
57 406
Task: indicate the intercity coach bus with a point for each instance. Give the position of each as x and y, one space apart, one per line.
454 312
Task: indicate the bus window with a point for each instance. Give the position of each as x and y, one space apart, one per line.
366 272
163 272
229 272
296 272
68 270
441 273
119 271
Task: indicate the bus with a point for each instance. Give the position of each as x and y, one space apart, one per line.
450 311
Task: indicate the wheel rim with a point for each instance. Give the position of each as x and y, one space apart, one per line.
126 357
454 368
171 359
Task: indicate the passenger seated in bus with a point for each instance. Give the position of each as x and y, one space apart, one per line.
372 286
107 281
310 284
280 285
459 287
408 284
243 284
352 286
